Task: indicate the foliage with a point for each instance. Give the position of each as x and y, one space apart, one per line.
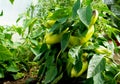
63 57
51 36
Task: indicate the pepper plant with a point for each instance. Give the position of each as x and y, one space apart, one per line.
60 61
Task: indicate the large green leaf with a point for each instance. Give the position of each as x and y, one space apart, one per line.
12 67
98 79
65 41
85 15
50 74
73 54
96 65
5 54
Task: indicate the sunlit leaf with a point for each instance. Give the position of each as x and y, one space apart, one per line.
98 79
85 15
73 54
96 65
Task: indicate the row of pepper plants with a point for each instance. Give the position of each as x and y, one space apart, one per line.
70 41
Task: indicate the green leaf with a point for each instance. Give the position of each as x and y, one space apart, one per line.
57 79
41 71
73 54
96 65
88 2
108 1
62 20
49 61
98 79
112 68
75 57
50 74
8 36
78 65
12 67
61 13
12 1
31 23
1 14
76 7
1 73
5 54
85 15
18 75
115 9
19 30
65 41
35 51
55 27
89 81
2 36
34 42
42 50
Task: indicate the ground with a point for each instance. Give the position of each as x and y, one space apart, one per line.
32 74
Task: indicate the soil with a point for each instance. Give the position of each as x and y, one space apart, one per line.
31 75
